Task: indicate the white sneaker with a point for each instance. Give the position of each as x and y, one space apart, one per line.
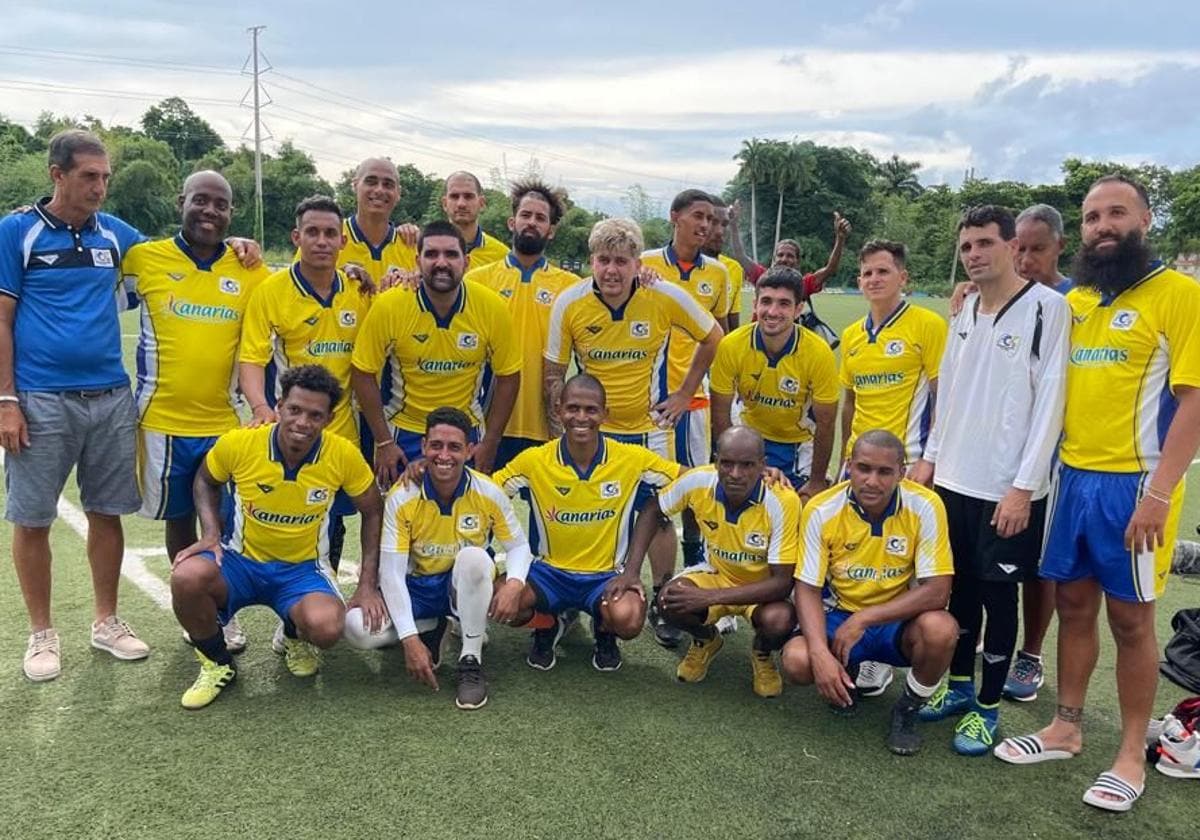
235 636
43 659
279 641
873 678
727 625
1178 751
115 636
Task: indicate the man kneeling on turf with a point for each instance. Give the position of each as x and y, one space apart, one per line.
867 538
275 550
435 564
749 533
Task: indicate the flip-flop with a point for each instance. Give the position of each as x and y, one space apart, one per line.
1110 783
1027 749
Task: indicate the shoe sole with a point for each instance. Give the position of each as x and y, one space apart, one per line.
124 657
1018 699
1177 771
467 707
767 696
904 751
875 691
616 667
535 666
39 678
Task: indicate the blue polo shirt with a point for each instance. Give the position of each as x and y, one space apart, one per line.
66 282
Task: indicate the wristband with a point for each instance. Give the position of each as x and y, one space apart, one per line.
254 408
9 398
382 444
1157 495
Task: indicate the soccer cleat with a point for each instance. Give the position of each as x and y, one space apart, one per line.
115 636
903 737
542 655
873 678
235 636
279 640
666 635
766 679
472 691
43 657
1024 679
606 655
694 665
945 702
300 657
974 734
208 685
434 640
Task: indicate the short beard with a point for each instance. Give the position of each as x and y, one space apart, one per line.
1114 272
529 244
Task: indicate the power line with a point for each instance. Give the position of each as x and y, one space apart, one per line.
35 87
160 64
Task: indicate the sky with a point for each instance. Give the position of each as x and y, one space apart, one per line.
659 94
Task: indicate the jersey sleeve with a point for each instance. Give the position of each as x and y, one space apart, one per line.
506 351
255 348
723 373
674 497
844 375
371 345
558 337
396 534
933 557
1183 338
785 530
221 459
1049 375
812 566
514 476
12 257
658 471
934 344
824 373
684 312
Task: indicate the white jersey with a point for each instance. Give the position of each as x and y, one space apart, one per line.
1001 390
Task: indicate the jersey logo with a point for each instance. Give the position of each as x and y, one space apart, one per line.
849 546
1124 319
1009 343
312 322
895 347
963 335
175 275
1007 568
102 258
468 341
1078 319
317 496
896 545
468 522
266 488
48 259
230 286
593 329
705 288
756 540
506 293
789 385
712 526
348 318
422 337
610 490
854 352
544 297
639 329
563 491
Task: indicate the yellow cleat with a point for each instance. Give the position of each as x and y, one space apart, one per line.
301 657
767 680
694 665
208 685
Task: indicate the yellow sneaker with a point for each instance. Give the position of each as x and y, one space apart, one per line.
767 680
694 665
208 685
301 657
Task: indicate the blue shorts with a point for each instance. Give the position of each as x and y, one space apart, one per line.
880 643
511 447
430 595
794 460
167 467
410 442
693 437
558 590
275 583
1085 534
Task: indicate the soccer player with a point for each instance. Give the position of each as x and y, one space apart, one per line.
1130 431
787 254
998 420
438 339
372 241
618 330
434 563
463 201
584 491
284 477
787 380
750 541
713 246
530 284
869 539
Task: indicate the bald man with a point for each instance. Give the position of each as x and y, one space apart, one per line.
382 249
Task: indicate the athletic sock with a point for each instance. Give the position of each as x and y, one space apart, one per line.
472 579
693 553
1034 657
917 688
994 675
703 633
1001 601
214 648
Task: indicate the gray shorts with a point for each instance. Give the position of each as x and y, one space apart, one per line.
93 432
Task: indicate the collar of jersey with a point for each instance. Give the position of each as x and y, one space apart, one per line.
873 331
1156 268
526 273
478 240
430 492
203 265
460 303
673 259
276 454
564 455
53 222
618 314
306 288
790 347
753 498
357 234
893 506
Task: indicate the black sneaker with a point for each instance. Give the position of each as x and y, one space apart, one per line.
904 739
606 656
666 635
433 640
472 690
847 711
542 655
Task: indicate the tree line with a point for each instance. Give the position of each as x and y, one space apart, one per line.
785 188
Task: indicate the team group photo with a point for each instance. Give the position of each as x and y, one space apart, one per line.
830 495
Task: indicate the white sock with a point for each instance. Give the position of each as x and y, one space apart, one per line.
472 579
914 685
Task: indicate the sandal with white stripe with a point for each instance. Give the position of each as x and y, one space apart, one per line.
1027 749
1112 793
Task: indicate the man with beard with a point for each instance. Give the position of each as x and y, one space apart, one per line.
712 248
1130 431
530 284
462 203
999 415
438 340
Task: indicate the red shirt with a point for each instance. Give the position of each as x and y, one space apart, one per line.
811 285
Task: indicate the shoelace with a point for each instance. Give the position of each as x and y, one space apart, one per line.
211 675
44 644
975 726
117 628
939 697
1025 670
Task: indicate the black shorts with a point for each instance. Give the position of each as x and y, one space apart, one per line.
982 554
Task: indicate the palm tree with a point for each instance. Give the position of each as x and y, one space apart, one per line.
753 157
899 177
792 168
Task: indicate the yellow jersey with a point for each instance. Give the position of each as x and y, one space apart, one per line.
282 514
191 323
707 282
890 367
394 252
776 392
867 563
437 361
740 543
581 519
530 294
737 279
625 348
417 525
484 249
1128 355
290 324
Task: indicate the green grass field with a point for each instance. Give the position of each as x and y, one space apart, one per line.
105 751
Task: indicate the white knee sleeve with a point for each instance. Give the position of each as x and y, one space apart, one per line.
357 635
